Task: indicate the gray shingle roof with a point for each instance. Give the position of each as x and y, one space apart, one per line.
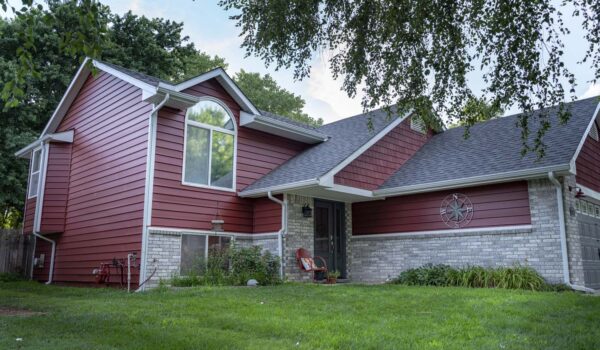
148 79
493 147
345 137
287 120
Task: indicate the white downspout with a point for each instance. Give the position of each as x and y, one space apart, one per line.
563 235
283 229
148 188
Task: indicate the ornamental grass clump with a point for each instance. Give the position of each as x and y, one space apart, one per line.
515 277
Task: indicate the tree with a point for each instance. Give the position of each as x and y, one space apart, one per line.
152 46
418 54
267 95
477 110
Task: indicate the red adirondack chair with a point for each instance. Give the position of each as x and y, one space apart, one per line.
308 263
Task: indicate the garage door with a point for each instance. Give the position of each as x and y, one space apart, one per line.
589 229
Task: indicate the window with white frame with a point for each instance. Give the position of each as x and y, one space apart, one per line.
34 175
587 208
195 250
209 146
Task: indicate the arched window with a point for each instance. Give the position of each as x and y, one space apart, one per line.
209 146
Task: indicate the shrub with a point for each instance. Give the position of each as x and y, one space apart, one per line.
233 266
515 277
427 275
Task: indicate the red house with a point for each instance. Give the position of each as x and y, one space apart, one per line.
132 165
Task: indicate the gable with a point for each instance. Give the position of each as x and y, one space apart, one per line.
384 158
588 161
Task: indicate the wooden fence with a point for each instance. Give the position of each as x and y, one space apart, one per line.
16 252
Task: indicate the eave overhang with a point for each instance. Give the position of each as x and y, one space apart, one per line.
281 128
63 137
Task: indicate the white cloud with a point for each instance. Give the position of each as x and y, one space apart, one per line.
592 90
325 98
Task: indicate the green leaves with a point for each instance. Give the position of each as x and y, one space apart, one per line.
401 53
267 95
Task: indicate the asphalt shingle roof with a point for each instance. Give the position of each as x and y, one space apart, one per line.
345 137
494 147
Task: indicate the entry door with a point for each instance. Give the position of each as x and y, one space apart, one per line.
330 238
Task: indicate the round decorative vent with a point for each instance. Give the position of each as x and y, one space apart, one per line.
456 210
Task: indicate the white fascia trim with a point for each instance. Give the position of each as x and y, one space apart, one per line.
68 98
588 192
351 190
327 179
583 139
228 84
447 232
533 173
65 137
279 188
125 77
246 119
185 231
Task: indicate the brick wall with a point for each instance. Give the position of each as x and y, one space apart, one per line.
164 255
376 259
300 234
574 246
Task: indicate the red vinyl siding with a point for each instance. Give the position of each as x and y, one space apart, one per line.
588 164
56 188
180 206
104 204
380 161
43 247
28 215
493 205
267 215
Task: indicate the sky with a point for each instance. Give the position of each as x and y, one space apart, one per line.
211 30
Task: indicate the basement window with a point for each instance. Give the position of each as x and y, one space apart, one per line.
195 250
34 176
209 154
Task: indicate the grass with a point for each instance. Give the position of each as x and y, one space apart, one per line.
297 316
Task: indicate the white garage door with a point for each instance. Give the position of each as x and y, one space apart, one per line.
589 229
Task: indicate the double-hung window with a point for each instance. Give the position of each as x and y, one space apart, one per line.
209 146
34 175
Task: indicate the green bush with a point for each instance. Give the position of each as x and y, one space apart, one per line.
515 277
233 266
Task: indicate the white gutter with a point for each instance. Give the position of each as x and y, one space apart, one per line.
280 188
473 181
563 235
282 231
149 187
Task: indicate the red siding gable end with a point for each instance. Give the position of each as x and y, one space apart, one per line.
588 164
384 158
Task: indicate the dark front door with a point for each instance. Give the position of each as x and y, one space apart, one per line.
330 238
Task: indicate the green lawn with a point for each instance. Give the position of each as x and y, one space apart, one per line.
298 316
